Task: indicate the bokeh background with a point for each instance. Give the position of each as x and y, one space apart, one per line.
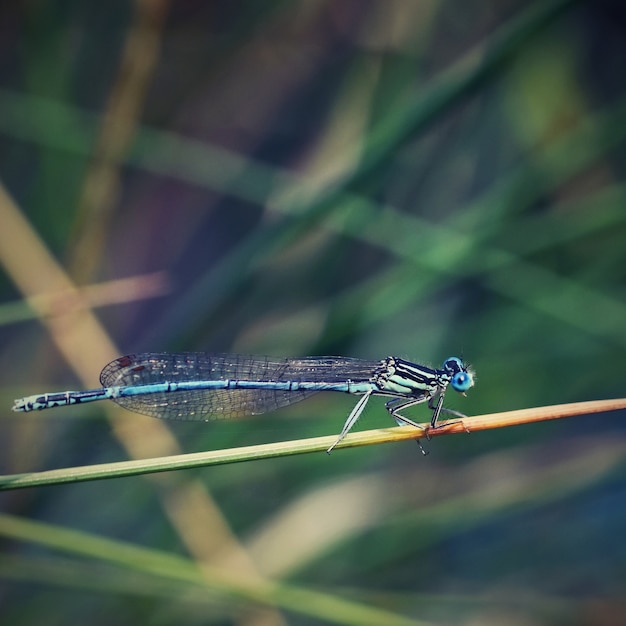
359 178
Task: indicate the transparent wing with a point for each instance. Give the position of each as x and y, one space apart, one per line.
154 367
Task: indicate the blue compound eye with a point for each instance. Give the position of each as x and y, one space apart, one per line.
462 381
453 365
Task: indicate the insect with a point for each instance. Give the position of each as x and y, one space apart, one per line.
204 386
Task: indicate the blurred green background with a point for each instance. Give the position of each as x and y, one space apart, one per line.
422 179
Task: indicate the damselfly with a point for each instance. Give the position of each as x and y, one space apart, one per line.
199 386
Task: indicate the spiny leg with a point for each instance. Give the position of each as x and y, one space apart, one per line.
397 404
352 418
393 406
438 409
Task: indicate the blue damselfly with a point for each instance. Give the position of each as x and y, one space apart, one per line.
201 386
